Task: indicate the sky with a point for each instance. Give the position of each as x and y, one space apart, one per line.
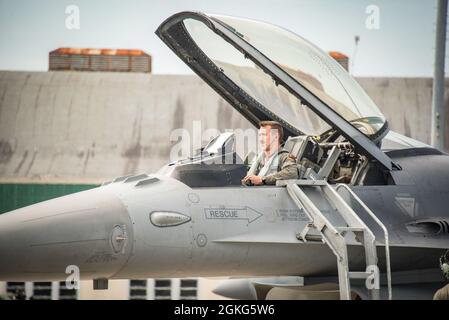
399 42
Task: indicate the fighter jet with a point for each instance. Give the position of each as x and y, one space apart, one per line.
368 220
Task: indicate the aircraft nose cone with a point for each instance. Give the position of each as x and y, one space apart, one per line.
90 229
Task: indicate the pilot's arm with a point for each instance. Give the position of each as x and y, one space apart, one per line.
287 169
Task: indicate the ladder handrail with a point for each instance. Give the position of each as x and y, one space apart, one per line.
309 206
386 235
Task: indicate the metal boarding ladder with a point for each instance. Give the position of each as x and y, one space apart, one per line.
333 236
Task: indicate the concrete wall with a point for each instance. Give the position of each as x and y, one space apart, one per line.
93 126
90 127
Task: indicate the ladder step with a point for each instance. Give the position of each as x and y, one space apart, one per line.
301 182
359 275
312 237
350 229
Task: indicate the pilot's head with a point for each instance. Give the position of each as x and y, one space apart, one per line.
270 135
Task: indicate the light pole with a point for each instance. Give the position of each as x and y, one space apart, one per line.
438 117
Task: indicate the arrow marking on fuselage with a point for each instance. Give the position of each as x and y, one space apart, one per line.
245 213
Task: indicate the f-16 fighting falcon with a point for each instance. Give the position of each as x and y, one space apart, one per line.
367 217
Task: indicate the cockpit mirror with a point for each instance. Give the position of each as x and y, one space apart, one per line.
221 144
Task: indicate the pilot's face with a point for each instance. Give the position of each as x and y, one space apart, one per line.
268 136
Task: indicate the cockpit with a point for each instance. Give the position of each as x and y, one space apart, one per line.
268 73
218 164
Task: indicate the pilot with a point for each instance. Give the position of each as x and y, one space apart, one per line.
443 293
274 163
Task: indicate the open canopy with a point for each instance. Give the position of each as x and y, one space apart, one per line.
268 73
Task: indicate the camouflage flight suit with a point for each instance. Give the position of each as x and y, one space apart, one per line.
281 166
442 294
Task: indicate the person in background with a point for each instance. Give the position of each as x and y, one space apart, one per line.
443 293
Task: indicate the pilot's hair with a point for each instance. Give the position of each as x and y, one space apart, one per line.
274 125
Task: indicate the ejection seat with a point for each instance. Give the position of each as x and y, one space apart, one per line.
307 153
